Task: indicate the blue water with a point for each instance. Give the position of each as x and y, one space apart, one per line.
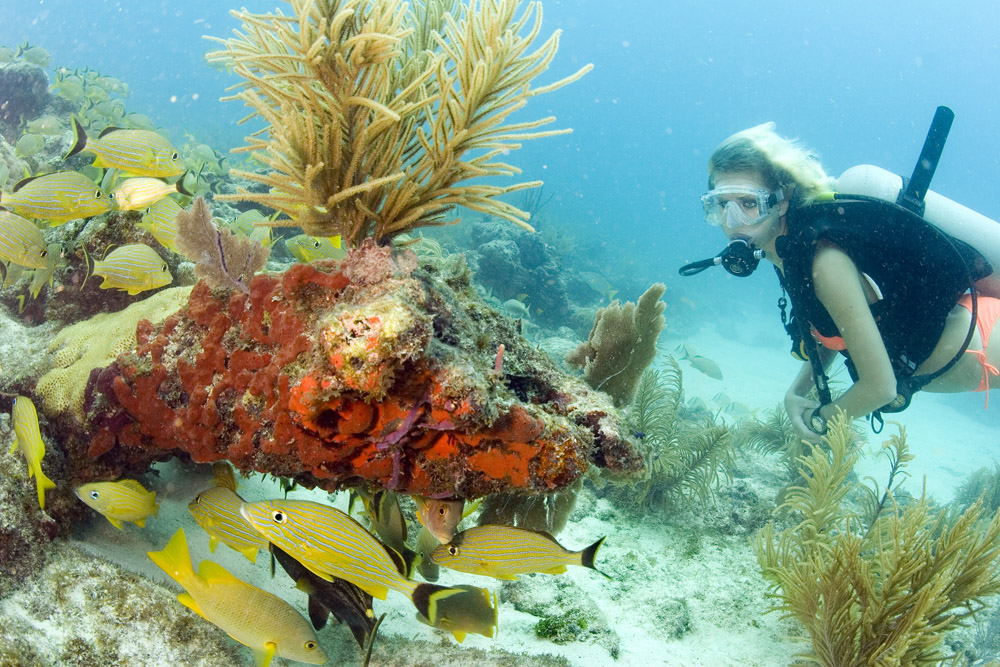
856 81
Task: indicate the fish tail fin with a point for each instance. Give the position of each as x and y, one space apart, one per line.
79 139
180 185
174 558
426 596
43 483
588 555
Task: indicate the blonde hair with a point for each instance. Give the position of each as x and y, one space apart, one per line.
780 162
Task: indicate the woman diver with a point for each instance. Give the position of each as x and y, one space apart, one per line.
875 280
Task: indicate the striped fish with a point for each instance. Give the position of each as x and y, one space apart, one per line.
139 152
331 544
124 500
504 552
217 510
138 193
21 241
265 623
57 197
133 268
160 220
28 439
310 248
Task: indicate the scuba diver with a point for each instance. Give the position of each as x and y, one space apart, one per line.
899 280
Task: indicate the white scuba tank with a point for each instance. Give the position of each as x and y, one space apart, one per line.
949 216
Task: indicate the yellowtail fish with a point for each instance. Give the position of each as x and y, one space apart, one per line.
440 517
139 152
331 544
160 220
699 363
217 510
132 268
21 241
124 500
28 439
467 609
138 193
310 248
265 623
57 197
504 552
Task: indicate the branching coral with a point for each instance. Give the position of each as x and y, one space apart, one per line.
880 594
377 111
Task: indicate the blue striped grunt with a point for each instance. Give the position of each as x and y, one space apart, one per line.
265 623
331 544
138 193
139 152
310 248
57 197
28 438
504 552
124 500
160 220
133 268
21 241
217 510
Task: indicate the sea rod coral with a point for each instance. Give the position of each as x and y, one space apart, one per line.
377 112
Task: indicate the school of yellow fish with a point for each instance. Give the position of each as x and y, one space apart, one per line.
335 559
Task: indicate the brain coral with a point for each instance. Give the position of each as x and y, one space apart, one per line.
95 343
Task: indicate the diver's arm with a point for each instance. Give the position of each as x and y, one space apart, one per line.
838 287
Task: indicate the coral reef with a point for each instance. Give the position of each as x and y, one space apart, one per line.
95 343
880 586
685 459
378 111
24 92
339 374
621 345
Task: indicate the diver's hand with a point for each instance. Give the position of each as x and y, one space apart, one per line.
798 408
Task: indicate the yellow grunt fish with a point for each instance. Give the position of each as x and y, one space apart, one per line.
57 197
28 439
124 500
160 220
310 248
504 552
132 268
21 241
217 510
139 152
265 623
138 193
331 544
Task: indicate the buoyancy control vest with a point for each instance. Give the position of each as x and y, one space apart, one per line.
919 270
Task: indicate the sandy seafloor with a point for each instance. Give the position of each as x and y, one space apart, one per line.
680 593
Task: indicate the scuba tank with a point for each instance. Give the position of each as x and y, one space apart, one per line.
947 215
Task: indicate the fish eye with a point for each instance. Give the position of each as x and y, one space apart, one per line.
316 244
44 253
278 516
442 511
95 494
163 267
310 645
98 194
173 156
452 549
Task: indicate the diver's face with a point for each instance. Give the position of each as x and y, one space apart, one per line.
763 233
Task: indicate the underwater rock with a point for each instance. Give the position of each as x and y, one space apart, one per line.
342 374
24 93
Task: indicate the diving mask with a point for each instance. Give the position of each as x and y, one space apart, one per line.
738 206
